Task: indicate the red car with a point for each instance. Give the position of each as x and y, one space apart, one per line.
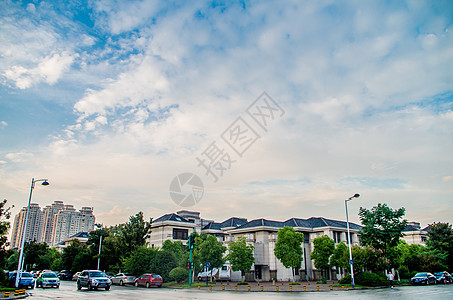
149 280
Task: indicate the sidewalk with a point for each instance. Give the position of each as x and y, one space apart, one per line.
305 286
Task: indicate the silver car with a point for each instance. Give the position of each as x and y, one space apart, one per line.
123 278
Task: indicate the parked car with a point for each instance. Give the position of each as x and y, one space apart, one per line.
208 275
76 276
110 275
64 275
48 279
123 278
26 280
149 280
423 278
443 277
93 279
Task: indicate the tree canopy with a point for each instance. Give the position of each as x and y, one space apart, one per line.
340 256
288 247
211 251
382 230
323 248
240 255
440 241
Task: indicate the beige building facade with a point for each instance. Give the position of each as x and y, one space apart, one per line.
262 234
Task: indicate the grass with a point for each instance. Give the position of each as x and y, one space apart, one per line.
2 289
185 284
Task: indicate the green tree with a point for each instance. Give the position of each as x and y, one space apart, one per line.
177 249
340 256
211 251
288 248
51 259
440 242
77 257
5 214
382 230
240 255
162 263
134 233
323 248
32 252
140 261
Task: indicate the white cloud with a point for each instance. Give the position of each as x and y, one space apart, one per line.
359 86
49 70
19 156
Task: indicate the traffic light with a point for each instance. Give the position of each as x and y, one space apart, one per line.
188 265
191 241
191 265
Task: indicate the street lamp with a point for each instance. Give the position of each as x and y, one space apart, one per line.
349 237
21 255
100 243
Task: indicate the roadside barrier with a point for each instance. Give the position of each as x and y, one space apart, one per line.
248 288
262 288
305 288
317 288
6 295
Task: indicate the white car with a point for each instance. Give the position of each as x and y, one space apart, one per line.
208 275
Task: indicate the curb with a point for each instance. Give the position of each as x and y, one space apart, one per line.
17 294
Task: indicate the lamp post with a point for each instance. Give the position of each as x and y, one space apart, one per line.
349 237
21 255
100 244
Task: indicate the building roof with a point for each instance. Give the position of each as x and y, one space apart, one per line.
171 217
80 235
231 222
313 222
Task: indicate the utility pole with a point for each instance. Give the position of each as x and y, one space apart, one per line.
191 244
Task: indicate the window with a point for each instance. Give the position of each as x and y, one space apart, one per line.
336 236
180 234
306 237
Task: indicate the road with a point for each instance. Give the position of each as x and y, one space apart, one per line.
68 290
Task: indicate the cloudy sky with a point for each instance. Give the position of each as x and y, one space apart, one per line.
111 100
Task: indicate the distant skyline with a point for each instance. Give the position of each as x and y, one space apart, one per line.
112 100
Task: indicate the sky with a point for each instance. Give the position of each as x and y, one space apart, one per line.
279 109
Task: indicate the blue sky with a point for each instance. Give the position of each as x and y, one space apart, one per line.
111 100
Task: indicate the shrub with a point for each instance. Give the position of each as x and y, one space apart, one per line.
372 279
345 280
366 279
294 283
323 281
404 272
242 283
179 274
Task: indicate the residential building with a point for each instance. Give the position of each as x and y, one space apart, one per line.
413 234
81 236
262 234
49 213
69 222
53 224
34 225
